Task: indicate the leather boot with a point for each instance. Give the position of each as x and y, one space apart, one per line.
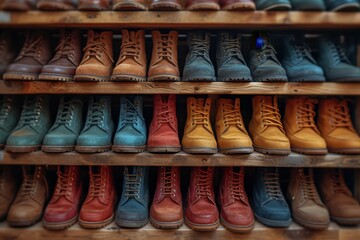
273 5
62 210
167 5
98 131
63 134
308 5
19 5
28 206
7 51
9 184
307 207
198 65
236 214
129 5
334 123
57 5
265 127
133 208
343 207
201 213
35 121
67 58
131 65
94 5
166 209
163 130
231 134
98 208
198 134
130 135
237 5
300 126
97 62
342 5
35 53
193 5
10 110
164 59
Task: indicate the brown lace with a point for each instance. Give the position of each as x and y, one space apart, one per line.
232 117
164 115
29 49
338 182
306 113
200 115
167 180
203 184
308 186
340 114
164 49
96 185
65 48
63 184
95 48
130 47
271 116
272 186
236 185
28 186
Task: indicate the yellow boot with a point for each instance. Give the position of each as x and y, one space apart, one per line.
300 126
198 134
231 134
265 127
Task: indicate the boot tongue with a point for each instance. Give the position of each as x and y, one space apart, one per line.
228 104
200 101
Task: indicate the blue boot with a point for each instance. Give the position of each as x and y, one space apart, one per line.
275 5
308 5
10 110
342 5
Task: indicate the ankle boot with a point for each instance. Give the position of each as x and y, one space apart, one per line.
57 5
166 209
236 214
342 5
97 62
164 59
193 5
130 135
163 131
201 212
10 110
300 127
273 5
35 53
238 5
7 50
67 58
28 206
62 210
98 208
94 5
19 5
334 123
34 122
129 5
231 135
198 65
166 5
198 134
307 207
265 127
131 65
9 185
133 208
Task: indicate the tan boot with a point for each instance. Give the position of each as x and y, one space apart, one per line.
131 65
265 127
9 183
334 123
198 134
231 135
300 126
164 59
97 62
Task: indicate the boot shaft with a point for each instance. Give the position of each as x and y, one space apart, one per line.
133 48
331 52
228 114
201 185
228 47
99 113
199 46
332 184
198 114
99 48
266 112
164 113
294 50
131 113
101 185
168 185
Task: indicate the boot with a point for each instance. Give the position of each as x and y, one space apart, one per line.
236 214
201 213
273 5
231 65
35 121
231 134
163 130
63 134
19 5
198 65
198 134
164 59
57 5
28 206
99 127
308 5
9 185
300 126
67 58
167 5
268 202
62 210
334 123
130 135
129 5
7 51
131 65
306 205
237 5
342 5
98 208
35 53
192 5
97 62
133 208
343 207
10 110
265 127
94 5
166 209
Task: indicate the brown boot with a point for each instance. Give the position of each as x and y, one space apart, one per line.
300 126
129 5
307 208
164 58
29 203
19 5
97 62
334 123
265 127
131 65
57 5
94 5
7 50
9 184
167 5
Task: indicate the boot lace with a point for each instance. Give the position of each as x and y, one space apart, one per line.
306 113
164 115
130 47
164 49
268 52
5 108
271 116
203 184
96 187
29 185
132 184
272 186
96 113
30 46
308 186
200 115
231 117
65 49
237 185
340 114
200 47
167 179
131 113
232 47
338 182
63 185
95 48
66 113
31 111
338 53
302 50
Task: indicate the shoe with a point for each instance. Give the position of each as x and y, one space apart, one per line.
10 110
237 5
94 5
166 5
273 5
342 5
8 50
57 5
193 5
129 5
308 5
9 185
19 5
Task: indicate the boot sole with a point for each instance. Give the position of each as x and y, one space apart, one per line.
273 223
57 149
55 77
271 79
57 226
199 79
96 225
20 76
164 149
53 6
130 6
167 225
346 221
22 149
22 223
311 151
244 150
347 7
200 150
91 7
347 79
127 78
342 150
165 6
272 151
308 78
165 78
131 224
235 79
204 6
91 78
129 149
92 149
202 227
310 224
278 7
240 7
237 228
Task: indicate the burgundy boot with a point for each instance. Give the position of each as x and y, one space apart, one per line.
237 5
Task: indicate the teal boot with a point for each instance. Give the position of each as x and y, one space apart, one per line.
10 110
342 5
68 124
130 135
275 5
97 133
35 121
308 5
